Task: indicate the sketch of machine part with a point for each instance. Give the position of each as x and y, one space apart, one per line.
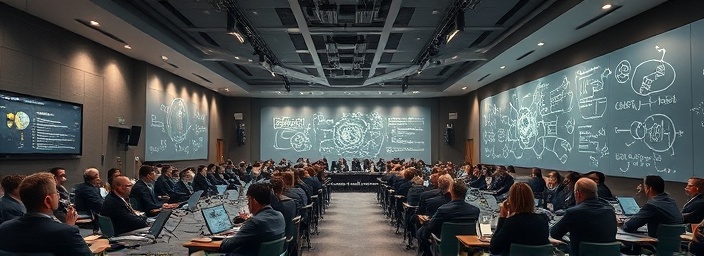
324 133
556 101
553 138
359 134
490 119
178 121
657 131
653 76
592 142
592 96
523 119
292 133
623 72
699 111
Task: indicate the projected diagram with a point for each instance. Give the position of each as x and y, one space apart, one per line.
182 127
356 134
650 76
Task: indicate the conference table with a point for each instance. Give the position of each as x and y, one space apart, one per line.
354 181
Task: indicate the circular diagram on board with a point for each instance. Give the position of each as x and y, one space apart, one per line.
21 120
178 121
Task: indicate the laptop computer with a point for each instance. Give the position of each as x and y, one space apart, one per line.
628 205
160 222
192 201
217 220
221 189
232 194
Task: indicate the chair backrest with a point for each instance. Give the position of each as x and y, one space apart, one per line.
669 238
601 249
106 227
6 253
272 248
449 243
531 250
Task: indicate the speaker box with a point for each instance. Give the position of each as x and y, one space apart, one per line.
133 139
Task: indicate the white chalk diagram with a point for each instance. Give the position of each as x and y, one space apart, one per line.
592 143
623 72
177 124
592 96
534 122
653 76
354 134
657 132
699 112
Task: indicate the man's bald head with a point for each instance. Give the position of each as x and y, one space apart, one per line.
445 183
586 188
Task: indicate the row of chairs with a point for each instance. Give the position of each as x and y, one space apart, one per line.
314 210
398 212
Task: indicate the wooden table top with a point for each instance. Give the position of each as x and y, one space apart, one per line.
213 246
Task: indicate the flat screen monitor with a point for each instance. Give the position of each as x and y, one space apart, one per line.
216 219
39 126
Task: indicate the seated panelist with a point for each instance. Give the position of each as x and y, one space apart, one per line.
118 209
518 222
660 208
143 192
693 209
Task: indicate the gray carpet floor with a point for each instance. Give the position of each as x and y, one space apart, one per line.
355 225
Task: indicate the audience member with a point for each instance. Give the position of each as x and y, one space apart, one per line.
165 187
59 174
39 231
183 186
479 180
565 197
432 204
536 182
201 182
554 183
283 204
265 225
592 220
518 223
501 182
456 211
293 192
600 179
117 207
10 204
693 210
112 173
413 195
143 192
88 198
660 208
406 184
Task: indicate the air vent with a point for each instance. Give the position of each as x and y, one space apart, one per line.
286 17
305 58
87 24
394 40
176 13
404 16
298 42
524 55
208 39
243 69
312 71
443 71
386 57
614 8
171 64
512 12
480 79
479 39
204 79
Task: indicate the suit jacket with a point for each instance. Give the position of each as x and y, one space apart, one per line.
163 186
404 187
39 233
660 209
413 195
604 192
267 225
200 182
145 197
501 184
424 197
479 183
88 199
182 188
455 211
123 219
10 208
287 207
522 228
693 210
434 203
537 184
593 220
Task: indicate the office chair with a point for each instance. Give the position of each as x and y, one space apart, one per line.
531 250
447 244
603 249
273 248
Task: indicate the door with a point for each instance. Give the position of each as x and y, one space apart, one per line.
220 151
468 145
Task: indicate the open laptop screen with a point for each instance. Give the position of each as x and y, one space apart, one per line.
159 223
216 219
629 205
193 200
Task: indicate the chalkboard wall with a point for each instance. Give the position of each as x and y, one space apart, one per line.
638 110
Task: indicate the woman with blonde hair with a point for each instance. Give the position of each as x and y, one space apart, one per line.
518 222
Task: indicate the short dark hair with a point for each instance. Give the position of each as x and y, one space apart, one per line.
12 182
111 173
655 182
55 170
459 189
260 192
183 173
34 189
277 184
146 170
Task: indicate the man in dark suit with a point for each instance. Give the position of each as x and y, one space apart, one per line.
10 204
456 211
591 220
143 192
432 204
265 225
39 231
693 210
118 209
88 199
201 182
660 208
165 187
64 196
183 186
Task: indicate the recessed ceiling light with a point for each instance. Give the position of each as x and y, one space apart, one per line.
502 67
127 46
255 12
164 58
418 38
541 44
273 74
436 12
454 57
414 92
237 58
94 23
279 92
250 60
606 7
464 88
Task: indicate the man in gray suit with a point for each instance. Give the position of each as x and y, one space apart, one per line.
265 225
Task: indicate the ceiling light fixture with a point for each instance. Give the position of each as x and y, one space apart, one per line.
232 28
459 26
606 7
164 58
502 67
541 44
464 88
127 46
94 23
273 74
237 58
416 92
